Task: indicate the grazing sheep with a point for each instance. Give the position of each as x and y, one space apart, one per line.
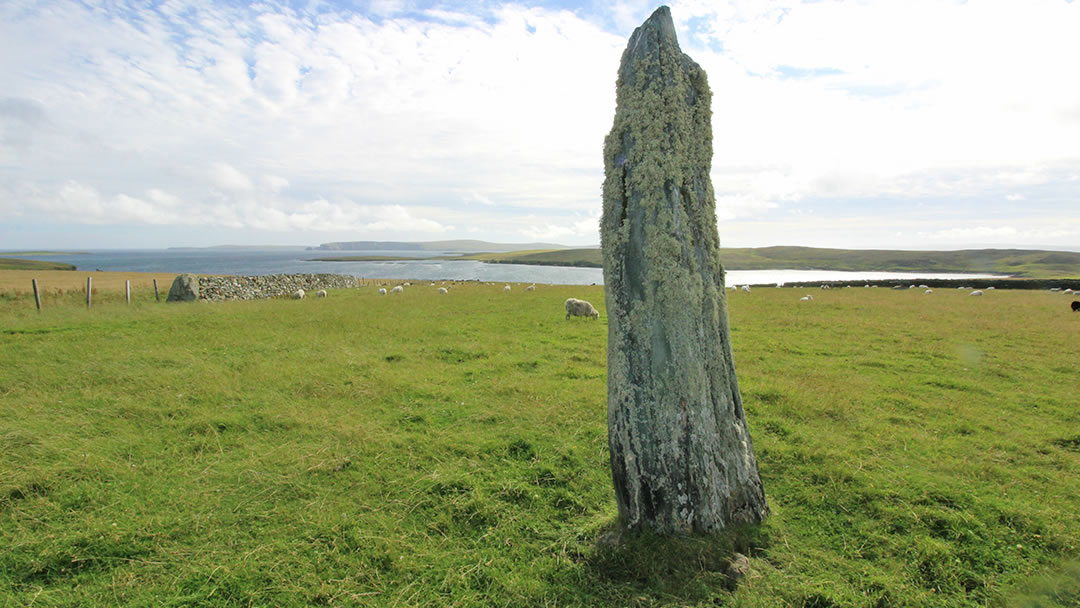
443 290
1055 289
975 293
1068 291
924 287
506 288
929 291
580 308
746 288
298 294
531 288
382 291
1075 306
397 289
806 298
320 294
991 287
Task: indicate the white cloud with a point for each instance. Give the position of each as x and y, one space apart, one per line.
230 179
408 117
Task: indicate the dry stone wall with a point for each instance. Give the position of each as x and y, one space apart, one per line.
216 289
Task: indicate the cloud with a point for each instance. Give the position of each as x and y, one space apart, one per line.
406 114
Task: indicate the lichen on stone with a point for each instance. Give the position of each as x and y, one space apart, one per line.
681 454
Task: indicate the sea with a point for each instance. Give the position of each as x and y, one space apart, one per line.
253 261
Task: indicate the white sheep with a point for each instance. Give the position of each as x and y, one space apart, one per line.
531 288
929 291
746 288
1068 291
320 294
806 298
991 287
397 289
506 288
382 291
580 308
298 294
443 290
975 293
924 287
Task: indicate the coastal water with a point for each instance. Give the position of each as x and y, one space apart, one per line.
291 261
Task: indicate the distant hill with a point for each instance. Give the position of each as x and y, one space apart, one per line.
1016 262
22 264
455 246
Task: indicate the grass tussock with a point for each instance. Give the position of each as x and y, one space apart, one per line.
450 450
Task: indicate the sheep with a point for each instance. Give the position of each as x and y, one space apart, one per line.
1068 291
397 289
924 287
1075 306
929 291
826 286
1055 289
506 288
298 294
320 294
382 291
746 288
580 308
443 290
531 288
991 287
806 298
975 293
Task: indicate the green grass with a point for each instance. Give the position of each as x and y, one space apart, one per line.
21 264
450 450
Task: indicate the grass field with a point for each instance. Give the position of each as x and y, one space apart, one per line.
450 450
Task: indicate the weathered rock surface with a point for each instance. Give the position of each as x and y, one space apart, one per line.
265 286
681 456
185 288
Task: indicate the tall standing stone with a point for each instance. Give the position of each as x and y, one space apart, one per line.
681 455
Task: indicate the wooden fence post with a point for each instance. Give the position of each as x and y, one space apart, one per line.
157 297
37 296
89 290
127 290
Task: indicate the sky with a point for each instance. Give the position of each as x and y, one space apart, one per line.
898 124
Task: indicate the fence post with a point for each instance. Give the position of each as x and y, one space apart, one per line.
127 290
89 290
156 296
37 296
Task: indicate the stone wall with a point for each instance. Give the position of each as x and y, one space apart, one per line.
216 289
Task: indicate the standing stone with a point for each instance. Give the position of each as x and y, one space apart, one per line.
185 288
681 455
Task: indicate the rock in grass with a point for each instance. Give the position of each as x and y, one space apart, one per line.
185 288
681 455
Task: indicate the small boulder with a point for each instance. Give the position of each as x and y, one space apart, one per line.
738 567
185 288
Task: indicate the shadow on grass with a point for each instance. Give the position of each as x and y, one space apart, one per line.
1054 589
685 569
